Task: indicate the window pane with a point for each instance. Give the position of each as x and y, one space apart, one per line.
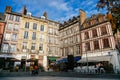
33 46
106 43
34 26
103 30
24 45
25 35
5 48
41 47
86 35
27 25
50 31
14 37
16 27
41 37
94 32
34 36
96 45
12 48
10 26
11 17
88 46
42 28
7 36
17 18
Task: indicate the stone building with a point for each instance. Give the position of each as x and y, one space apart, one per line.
27 38
98 42
69 36
2 27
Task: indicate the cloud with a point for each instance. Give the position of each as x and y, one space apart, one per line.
57 9
60 5
68 16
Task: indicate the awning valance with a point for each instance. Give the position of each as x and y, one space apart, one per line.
95 59
76 58
52 58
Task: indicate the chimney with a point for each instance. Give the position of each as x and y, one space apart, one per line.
45 14
8 9
24 11
82 16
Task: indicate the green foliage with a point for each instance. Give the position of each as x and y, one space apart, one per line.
113 7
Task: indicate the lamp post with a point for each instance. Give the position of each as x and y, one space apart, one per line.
27 50
86 58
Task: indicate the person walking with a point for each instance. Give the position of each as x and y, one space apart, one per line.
31 69
35 69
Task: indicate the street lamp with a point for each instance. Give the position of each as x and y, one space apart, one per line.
27 50
86 58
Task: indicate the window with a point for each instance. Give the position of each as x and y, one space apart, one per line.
17 18
103 30
50 31
10 26
34 36
96 44
86 35
87 46
12 48
41 37
34 26
24 46
5 48
77 38
33 46
94 33
16 27
11 17
106 43
42 28
71 30
41 47
14 37
65 41
7 36
25 35
56 41
27 25
50 39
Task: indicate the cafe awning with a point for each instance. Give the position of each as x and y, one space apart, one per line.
95 59
52 58
76 58
15 60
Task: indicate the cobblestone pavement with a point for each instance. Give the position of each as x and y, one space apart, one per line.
50 78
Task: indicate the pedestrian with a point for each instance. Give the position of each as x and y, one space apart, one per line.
16 68
31 69
35 69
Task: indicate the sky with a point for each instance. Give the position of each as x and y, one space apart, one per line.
58 10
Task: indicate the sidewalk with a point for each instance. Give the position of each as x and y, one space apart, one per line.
59 74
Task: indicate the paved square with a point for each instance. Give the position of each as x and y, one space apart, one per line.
50 78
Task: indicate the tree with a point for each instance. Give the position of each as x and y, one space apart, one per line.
113 14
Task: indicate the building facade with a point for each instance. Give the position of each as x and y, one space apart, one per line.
91 38
69 37
27 38
2 27
98 42
53 40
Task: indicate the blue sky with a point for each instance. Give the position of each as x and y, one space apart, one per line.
59 10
